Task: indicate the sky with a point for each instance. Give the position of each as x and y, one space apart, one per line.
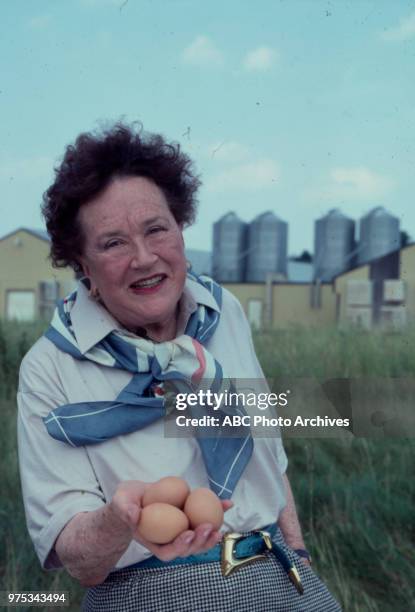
293 106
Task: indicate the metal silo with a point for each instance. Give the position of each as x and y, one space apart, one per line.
267 247
334 245
379 234
229 246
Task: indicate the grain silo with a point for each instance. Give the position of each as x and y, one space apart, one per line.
267 247
229 247
379 234
333 245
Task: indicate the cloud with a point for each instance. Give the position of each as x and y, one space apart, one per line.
349 185
27 169
404 31
361 182
202 52
40 22
229 151
260 59
252 176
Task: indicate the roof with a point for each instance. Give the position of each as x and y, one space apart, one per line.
38 233
379 211
375 259
230 216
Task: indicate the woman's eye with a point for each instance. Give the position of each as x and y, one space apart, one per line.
112 243
156 229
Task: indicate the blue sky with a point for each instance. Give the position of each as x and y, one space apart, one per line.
295 106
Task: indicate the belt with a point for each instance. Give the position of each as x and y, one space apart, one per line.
234 552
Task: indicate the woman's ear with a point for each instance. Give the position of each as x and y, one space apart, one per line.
84 266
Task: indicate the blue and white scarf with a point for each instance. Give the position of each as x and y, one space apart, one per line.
182 360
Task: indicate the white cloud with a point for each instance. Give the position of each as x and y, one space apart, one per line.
26 169
404 31
361 182
229 151
351 185
260 59
202 52
40 22
251 176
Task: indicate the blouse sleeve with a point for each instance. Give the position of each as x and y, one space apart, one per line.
57 480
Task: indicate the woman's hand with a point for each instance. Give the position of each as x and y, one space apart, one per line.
126 504
189 542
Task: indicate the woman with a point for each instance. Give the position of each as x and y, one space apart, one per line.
90 424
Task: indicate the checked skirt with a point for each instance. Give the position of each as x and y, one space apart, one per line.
262 586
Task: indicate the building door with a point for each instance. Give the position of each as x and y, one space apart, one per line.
255 313
21 305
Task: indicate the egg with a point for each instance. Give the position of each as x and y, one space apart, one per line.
170 490
161 523
203 506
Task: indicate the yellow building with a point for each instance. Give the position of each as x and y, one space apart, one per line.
282 304
29 286
380 293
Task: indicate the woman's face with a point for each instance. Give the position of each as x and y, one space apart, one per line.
134 255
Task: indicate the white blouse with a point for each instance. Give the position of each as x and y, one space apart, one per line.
59 481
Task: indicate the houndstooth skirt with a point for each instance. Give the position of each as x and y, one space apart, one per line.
262 586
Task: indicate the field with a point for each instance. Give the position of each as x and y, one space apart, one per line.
355 496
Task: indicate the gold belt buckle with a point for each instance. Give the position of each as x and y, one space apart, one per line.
229 563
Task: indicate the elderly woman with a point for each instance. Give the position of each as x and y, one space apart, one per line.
90 420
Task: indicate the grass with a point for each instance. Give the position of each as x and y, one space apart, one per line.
355 496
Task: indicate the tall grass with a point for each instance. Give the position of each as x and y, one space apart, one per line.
329 353
355 497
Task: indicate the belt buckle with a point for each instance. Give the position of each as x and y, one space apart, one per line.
229 563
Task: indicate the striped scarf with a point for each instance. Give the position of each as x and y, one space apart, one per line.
184 362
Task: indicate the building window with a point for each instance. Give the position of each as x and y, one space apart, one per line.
20 305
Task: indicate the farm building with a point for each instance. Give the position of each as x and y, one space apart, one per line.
378 293
29 286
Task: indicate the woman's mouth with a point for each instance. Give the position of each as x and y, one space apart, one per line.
152 283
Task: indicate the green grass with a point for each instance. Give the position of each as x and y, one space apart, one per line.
355 497
330 353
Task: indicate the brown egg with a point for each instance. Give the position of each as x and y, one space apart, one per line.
203 506
170 490
161 523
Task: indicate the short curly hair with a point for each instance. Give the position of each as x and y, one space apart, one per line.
93 161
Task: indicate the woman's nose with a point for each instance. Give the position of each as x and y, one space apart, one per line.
142 256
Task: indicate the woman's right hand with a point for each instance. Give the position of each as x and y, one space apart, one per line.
126 504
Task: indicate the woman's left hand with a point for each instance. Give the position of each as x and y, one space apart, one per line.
189 542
